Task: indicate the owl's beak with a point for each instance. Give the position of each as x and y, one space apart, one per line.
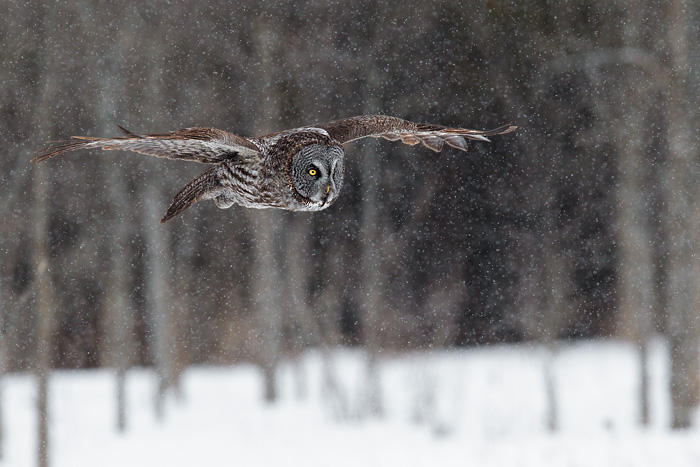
324 201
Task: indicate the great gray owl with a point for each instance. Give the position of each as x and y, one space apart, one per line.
299 169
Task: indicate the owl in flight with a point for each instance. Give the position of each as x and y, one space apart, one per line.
298 170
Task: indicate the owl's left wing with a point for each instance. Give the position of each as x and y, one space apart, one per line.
394 129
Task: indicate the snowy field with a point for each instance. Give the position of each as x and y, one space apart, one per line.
482 407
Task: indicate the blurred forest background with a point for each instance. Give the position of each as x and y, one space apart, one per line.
582 224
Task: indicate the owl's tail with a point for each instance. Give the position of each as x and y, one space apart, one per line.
202 187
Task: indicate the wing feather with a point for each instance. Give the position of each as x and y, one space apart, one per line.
197 189
432 136
206 145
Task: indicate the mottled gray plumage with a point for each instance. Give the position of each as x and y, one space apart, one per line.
299 169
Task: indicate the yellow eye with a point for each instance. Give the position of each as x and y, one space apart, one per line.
312 172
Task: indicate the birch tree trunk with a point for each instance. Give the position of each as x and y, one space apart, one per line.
159 297
45 309
44 298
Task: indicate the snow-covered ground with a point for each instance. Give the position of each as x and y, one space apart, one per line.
481 407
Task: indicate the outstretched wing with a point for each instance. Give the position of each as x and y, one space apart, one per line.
207 145
394 129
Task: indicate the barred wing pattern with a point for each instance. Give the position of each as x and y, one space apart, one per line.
206 145
432 136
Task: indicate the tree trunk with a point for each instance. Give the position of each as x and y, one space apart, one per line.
635 231
45 306
298 312
635 235
555 273
267 294
371 302
267 225
44 299
682 209
159 297
117 348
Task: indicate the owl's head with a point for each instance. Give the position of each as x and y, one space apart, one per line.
316 173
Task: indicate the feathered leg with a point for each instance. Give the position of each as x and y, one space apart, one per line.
204 186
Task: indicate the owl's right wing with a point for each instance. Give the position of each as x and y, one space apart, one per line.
207 145
394 129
